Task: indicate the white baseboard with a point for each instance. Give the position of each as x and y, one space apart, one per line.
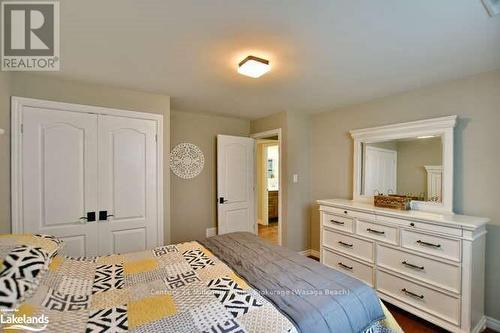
480 326
305 252
493 323
310 252
211 232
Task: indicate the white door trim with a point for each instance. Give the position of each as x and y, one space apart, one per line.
262 135
18 103
263 180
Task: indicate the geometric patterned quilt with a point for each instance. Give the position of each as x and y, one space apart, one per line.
174 288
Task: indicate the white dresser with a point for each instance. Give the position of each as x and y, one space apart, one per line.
429 264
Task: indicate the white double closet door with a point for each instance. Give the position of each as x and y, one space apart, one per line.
90 179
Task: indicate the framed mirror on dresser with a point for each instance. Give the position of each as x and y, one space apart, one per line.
421 257
397 159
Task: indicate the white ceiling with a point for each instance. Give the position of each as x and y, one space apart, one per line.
324 53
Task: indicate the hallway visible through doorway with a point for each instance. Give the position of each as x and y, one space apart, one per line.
268 187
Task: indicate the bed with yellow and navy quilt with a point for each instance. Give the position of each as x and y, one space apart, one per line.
173 288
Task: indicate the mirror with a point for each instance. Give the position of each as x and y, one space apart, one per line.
406 166
412 159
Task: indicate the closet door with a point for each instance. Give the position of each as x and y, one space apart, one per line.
59 176
127 184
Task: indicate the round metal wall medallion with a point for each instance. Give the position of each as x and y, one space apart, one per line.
186 160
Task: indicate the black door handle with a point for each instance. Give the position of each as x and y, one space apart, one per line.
103 215
222 200
90 217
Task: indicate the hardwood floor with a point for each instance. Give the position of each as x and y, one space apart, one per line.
412 324
269 232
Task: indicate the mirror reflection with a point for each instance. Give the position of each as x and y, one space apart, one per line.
408 166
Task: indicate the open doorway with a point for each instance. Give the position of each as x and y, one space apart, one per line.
268 185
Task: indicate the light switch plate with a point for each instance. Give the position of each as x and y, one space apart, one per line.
2 131
295 178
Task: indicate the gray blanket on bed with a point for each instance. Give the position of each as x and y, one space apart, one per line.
316 298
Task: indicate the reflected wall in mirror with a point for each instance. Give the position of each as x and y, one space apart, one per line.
407 166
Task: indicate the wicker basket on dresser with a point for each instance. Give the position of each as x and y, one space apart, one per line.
431 265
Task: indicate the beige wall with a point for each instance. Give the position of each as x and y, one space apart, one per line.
476 100
50 88
296 146
412 157
194 207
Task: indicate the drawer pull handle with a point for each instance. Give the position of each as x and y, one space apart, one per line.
345 244
412 265
344 266
420 242
337 222
373 231
407 292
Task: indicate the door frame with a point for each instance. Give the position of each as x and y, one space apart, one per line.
265 197
263 135
17 105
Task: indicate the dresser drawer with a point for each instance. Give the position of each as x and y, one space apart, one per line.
379 232
436 303
422 226
356 247
429 271
434 245
353 214
338 222
351 267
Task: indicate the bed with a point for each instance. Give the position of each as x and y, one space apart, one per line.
228 283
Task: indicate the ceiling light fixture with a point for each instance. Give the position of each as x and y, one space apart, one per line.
425 136
253 66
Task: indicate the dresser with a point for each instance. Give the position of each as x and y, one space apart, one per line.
429 264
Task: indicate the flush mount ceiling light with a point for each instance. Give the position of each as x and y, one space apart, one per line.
426 136
253 66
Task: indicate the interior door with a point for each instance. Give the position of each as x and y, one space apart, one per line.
380 170
235 184
59 177
128 214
